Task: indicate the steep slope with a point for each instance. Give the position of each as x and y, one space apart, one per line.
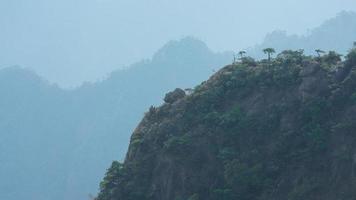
48 134
335 34
109 110
255 130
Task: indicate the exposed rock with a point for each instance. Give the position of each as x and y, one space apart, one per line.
275 131
173 96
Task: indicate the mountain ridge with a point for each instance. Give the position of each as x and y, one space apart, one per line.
47 125
279 129
335 34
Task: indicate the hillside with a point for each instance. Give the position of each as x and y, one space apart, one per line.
48 134
42 125
335 34
108 111
279 129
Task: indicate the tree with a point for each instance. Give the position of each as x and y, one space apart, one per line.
319 52
290 56
351 58
111 181
332 57
301 51
235 59
241 53
188 90
269 52
249 61
354 45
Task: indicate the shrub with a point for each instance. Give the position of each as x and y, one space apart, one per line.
176 144
332 58
351 58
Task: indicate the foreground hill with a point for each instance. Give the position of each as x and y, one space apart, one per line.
49 134
280 129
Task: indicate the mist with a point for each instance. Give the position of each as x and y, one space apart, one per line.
83 82
71 42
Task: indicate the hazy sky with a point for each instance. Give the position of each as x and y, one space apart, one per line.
69 41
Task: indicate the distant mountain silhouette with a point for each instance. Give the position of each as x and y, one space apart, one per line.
57 144
337 34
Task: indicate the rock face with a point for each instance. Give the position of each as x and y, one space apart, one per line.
284 129
172 97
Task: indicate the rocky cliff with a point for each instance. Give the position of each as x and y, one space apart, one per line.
279 129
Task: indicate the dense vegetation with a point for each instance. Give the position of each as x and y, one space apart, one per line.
280 128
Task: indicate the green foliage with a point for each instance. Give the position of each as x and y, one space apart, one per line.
227 153
351 58
110 183
223 194
269 52
212 118
353 98
314 111
194 197
242 53
249 144
332 58
285 76
313 115
245 181
232 117
281 74
316 137
177 144
291 57
303 189
319 52
136 140
249 61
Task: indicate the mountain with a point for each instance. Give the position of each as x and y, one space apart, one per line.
48 134
335 34
30 127
279 129
109 110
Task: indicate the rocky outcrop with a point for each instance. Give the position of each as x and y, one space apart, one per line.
277 130
175 95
